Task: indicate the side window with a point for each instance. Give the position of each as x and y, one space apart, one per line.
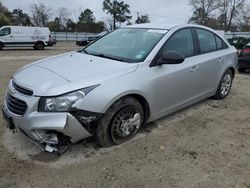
220 43
207 40
182 42
5 31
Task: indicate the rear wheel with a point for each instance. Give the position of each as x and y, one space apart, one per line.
241 70
225 85
120 123
39 46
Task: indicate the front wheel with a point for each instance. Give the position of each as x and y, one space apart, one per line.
120 123
225 85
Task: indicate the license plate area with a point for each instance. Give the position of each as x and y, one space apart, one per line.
8 119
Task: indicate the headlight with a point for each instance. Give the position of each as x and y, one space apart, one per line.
64 103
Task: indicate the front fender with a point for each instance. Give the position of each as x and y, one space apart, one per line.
100 99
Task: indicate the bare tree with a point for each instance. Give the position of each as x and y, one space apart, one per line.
63 15
40 14
243 19
229 10
203 10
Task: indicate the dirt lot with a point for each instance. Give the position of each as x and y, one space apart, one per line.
206 145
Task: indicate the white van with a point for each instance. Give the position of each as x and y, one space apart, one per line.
19 36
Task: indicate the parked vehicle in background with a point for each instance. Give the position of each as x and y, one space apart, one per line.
52 41
244 59
88 40
118 83
20 36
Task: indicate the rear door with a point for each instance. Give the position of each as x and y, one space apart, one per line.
210 61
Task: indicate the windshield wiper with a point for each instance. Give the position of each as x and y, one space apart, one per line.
106 56
84 51
110 57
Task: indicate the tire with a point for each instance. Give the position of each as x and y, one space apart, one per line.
1 46
241 70
39 46
224 86
112 129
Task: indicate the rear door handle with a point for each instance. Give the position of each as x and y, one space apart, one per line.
220 60
194 69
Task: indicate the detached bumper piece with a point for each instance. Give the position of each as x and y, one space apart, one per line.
49 141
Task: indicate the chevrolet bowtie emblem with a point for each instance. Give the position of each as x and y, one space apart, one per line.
11 91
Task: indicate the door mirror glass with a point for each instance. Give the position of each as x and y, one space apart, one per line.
171 57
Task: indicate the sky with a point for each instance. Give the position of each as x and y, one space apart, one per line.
159 11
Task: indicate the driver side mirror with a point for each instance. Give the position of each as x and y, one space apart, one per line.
171 57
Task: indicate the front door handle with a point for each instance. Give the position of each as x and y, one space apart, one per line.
194 69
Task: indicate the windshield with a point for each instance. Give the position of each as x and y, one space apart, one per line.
128 45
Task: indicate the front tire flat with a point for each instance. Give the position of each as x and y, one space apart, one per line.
120 123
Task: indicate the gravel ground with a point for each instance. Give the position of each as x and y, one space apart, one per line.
206 145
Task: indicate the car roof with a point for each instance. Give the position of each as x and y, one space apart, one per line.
166 26
152 26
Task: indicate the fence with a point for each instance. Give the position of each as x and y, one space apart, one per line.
69 36
237 34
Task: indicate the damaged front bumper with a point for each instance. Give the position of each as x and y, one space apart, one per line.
49 129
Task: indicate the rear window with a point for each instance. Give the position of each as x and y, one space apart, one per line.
219 42
207 40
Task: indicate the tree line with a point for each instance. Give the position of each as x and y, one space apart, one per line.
42 16
227 15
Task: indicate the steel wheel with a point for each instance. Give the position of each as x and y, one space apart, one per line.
226 84
120 123
125 125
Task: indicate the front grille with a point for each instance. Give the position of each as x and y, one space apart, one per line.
22 90
16 106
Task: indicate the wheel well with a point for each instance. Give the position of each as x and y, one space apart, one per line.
144 104
37 42
233 70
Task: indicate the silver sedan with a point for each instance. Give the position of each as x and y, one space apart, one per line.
114 86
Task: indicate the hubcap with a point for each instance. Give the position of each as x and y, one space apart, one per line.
125 125
226 84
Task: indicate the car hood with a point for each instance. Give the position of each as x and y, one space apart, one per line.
69 72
